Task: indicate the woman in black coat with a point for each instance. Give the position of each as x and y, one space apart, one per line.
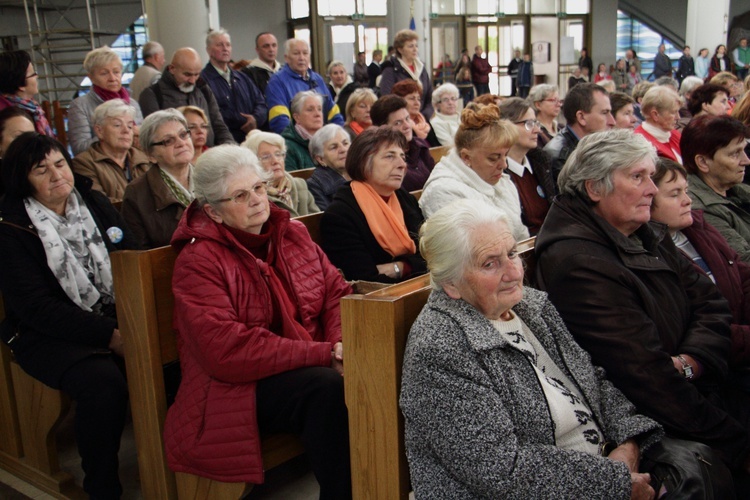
370 229
56 279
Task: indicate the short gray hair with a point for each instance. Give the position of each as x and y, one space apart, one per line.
291 41
445 239
659 97
111 109
217 164
151 49
299 100
216 34
689 84
257 137
100 57
541 92
667 81
598 156
441 91
322 137
152 123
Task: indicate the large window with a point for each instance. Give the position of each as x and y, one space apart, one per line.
129 46
349 7
633 34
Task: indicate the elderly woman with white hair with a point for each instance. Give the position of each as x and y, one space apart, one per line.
658 327
328 147
661 111
104 68
446 119
112 162
497 396
285 191
547 104
307 118
153 203
259 332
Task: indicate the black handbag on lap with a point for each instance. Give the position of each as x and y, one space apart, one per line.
687 470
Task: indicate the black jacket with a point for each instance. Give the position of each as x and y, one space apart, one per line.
53 332
559 149
634 306
351 246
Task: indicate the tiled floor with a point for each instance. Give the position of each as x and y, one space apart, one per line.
293 480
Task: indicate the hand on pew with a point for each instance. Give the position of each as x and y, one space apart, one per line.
337 358
115 343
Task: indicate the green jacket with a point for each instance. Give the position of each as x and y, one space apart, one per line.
730 214
297 154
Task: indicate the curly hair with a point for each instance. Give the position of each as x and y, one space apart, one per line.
407 87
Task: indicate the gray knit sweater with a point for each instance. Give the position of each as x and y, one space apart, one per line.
477 421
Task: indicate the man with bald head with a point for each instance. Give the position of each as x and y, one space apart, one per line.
181 85
295 77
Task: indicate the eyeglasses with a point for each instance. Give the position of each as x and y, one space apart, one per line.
32 75
448 99
169 141
529 124
242 197
278 154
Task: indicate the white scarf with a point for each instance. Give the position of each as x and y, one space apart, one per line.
418 66
76 253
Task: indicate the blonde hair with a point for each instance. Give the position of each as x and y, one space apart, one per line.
481 124
100 57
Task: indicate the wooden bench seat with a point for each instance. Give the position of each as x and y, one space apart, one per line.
143 286
30 414
375 328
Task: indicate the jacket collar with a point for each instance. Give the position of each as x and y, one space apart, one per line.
161 193
13 210
703 192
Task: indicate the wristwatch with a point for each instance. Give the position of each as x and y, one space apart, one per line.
687 370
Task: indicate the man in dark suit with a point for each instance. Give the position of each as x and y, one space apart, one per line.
373 70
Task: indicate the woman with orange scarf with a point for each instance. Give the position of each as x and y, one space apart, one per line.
370 229
411 91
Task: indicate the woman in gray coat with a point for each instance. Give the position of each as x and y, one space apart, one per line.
498 399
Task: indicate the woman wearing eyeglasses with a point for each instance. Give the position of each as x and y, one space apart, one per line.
153 203
446 120
259 332
528 166
285 191
547 105
19 84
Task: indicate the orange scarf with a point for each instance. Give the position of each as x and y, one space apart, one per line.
356 128
386 220
421 126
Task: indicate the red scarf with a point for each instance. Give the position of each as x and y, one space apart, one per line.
108 95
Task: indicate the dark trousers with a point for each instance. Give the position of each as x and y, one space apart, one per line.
98 386
482 88
309 402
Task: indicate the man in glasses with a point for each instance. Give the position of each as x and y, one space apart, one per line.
296 76
181 85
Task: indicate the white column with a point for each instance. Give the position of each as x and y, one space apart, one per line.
399 15
179 23
707 24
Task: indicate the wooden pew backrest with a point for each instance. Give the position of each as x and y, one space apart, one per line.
304 173
375 328
438 152
312 223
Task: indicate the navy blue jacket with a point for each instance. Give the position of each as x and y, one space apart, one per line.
242 97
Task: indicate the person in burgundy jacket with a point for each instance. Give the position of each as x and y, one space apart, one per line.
707 249
480 71
259 332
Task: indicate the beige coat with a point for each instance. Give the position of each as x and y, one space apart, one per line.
109 178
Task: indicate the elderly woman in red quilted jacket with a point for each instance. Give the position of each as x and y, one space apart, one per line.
259 332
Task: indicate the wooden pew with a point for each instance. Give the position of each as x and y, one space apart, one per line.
312 223
304 173
59 116
30 413
143 286
375 328
438 152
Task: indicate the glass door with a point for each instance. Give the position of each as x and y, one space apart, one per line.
344 38
498 37
446 53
